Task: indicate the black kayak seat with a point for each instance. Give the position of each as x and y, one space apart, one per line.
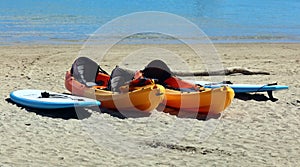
119 77
85 71
157 69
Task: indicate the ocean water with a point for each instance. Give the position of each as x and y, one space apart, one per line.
73 21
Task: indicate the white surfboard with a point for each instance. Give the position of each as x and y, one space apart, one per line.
42 99
244 88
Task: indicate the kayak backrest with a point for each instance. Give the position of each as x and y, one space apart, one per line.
85 71
158 70
118 78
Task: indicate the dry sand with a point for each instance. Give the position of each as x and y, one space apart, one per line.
252 131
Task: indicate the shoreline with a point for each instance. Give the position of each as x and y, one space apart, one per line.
76 44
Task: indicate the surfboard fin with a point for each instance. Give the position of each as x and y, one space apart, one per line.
271 97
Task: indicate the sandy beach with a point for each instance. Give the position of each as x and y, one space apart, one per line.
253 131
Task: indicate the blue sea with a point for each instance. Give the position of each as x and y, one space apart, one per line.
73 21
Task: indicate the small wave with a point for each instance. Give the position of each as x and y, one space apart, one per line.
139 38
255 39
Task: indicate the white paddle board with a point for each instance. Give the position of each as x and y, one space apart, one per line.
41 99
244 88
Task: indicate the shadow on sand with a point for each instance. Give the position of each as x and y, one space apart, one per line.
124 114
256 97
187 114
80 112
65 113
85 112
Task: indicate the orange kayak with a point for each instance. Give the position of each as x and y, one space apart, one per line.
212 101
149 97
86 78
144 99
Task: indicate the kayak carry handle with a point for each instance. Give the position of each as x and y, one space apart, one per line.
271 84
45 94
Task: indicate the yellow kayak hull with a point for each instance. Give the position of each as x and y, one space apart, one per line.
212 101
144 99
